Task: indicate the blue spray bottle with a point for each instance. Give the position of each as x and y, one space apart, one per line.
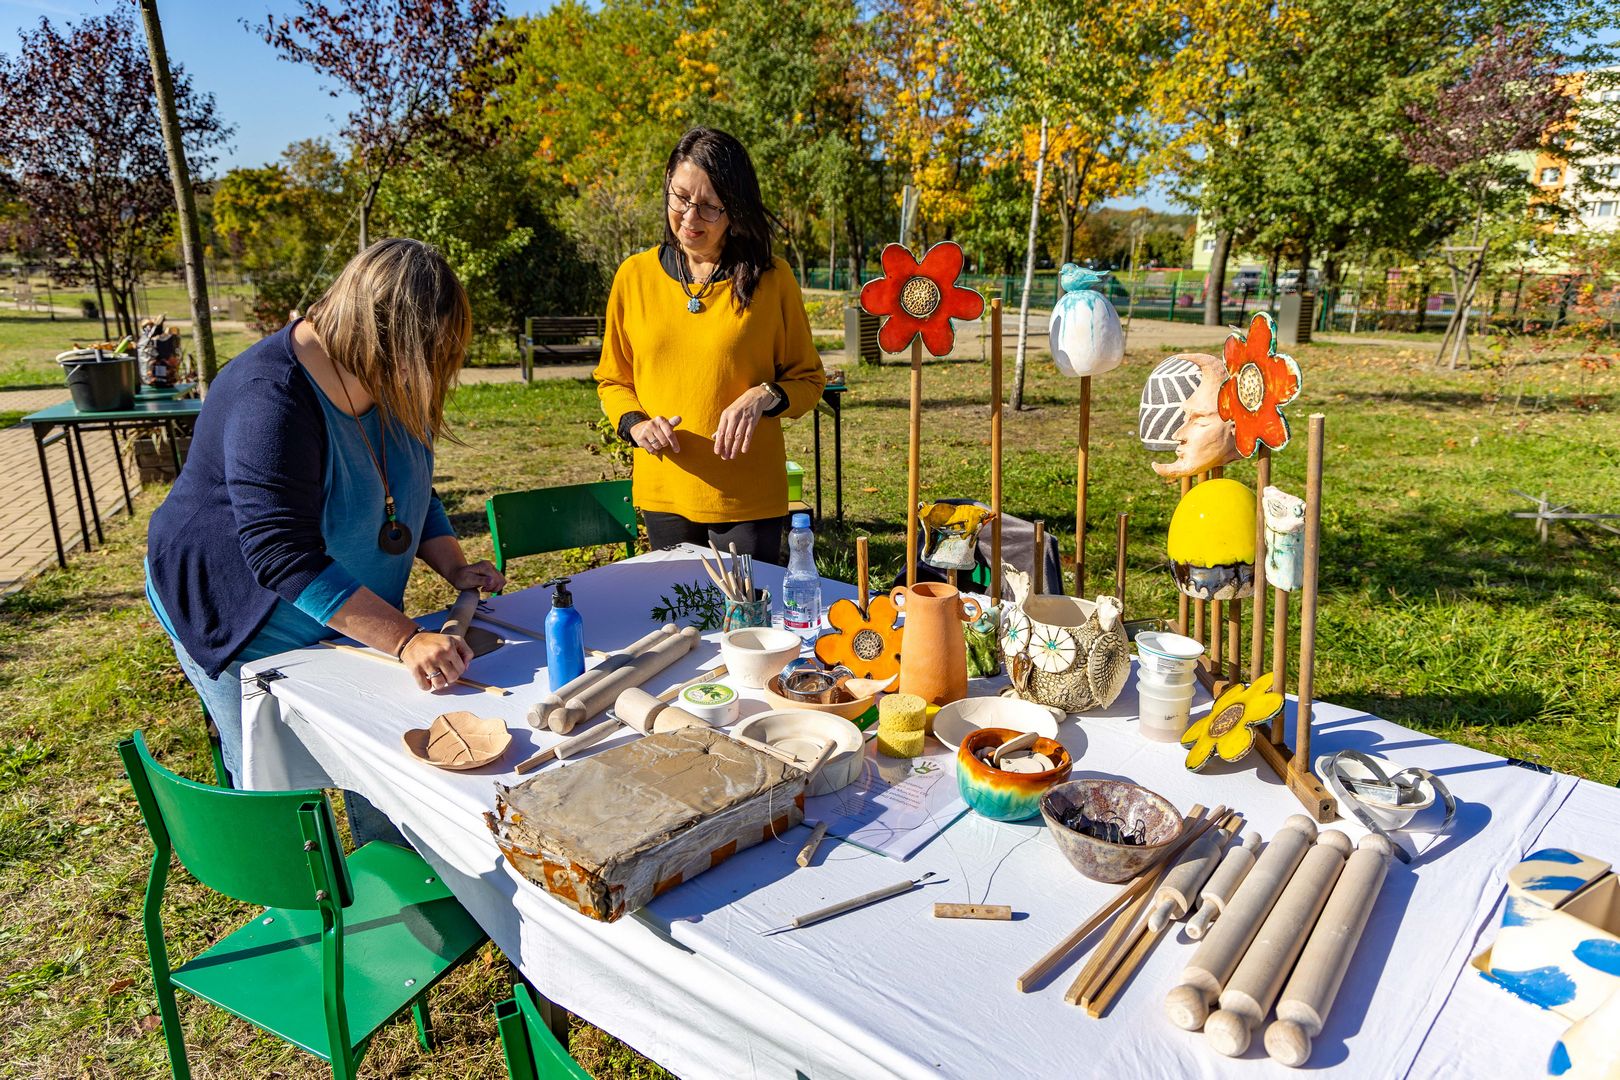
565 636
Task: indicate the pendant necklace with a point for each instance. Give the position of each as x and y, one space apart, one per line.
694 300
394 538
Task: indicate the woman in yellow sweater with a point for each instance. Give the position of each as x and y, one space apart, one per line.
706 346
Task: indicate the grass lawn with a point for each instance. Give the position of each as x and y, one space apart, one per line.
1439 611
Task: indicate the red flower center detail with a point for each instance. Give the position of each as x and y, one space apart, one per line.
920 298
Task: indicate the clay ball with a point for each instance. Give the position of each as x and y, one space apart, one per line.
1186 1008
1228 1033
1288 1044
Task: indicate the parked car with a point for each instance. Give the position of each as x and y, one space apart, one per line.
1245 282
1288 281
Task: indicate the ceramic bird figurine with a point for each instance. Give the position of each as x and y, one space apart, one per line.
1203 440
1085 335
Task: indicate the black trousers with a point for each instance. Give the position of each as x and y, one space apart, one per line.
761 539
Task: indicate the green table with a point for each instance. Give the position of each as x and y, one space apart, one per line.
66 423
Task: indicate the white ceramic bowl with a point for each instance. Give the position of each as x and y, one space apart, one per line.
755 653
1166 653
803 733
955 721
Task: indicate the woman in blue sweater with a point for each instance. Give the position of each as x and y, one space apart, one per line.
308 491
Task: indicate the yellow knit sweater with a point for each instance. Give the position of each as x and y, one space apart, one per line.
663 360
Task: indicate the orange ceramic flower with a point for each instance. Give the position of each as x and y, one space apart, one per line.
868 643
1259 382
920 298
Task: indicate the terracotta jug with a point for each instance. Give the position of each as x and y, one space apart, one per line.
933 652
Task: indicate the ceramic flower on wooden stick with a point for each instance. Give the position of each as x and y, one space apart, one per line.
917 301
1085 334
1259 382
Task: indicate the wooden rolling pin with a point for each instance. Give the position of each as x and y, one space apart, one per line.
808 852
1218 955
461 614
1218 891
553 701
1303 1010
636 709
1180 886
600 695
1254 986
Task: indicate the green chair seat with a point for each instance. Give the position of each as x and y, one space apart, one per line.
403 933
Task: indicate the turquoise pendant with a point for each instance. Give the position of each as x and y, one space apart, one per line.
694 305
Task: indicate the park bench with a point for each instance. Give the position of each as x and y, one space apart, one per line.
560 339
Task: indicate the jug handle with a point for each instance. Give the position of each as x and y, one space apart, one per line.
978 611
897 596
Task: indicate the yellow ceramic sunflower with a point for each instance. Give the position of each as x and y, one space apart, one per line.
1228 729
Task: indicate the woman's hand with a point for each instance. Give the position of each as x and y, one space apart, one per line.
436 661
736 431
480 575
657 435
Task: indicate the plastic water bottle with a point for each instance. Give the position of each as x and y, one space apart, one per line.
801 588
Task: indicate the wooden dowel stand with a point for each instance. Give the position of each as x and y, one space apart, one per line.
995 450
1234 640
1037 576
1081 462
1257 609
1279 658
863 573
1119 557
1307 601
1183 601
913 463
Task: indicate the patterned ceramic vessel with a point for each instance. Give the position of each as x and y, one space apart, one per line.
1065 652
1006 796
1108 800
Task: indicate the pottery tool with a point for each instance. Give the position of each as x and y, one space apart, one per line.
1219 953
986 912
1127 893
554 700
359 650
1235 866
730 585
1253 987
596 697
767 748
808 852
721 581
899 888
1117 940
483 615
1179 890
1302 1011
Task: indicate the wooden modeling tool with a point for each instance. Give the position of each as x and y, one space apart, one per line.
995 451
808 852
359 650
1254 986
555 699
1306 1001
1219 953
1217 892
897 889
986 912
1179 890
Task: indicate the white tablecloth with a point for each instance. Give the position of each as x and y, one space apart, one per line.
891 991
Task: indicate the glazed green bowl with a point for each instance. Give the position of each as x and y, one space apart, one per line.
1005 796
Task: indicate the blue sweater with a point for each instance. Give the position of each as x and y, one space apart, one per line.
272 524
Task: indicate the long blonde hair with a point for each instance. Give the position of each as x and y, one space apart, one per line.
397 318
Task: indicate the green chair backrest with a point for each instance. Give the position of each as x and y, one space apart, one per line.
254 846
550 519
532 1051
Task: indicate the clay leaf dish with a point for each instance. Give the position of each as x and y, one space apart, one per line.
458 741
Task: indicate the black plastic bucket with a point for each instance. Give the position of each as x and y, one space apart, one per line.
101 385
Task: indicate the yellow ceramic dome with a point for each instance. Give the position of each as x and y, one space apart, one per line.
1211 543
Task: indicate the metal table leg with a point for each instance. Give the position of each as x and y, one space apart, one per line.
78 495
50 497
816 413
123 478
174 446
838 454
89 486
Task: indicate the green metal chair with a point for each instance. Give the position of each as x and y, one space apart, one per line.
551 519
344 945
532 1051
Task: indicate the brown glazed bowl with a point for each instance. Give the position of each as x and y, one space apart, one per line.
1101 860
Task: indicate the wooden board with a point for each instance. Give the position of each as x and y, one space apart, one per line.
608 834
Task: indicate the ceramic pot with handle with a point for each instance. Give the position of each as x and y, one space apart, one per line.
933 653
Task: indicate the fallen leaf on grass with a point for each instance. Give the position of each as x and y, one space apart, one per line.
870 491
150 1023
119 986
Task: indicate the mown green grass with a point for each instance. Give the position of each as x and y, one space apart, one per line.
1439 611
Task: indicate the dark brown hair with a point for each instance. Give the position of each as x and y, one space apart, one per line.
747 252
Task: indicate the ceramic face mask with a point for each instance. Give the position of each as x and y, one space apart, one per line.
1204 440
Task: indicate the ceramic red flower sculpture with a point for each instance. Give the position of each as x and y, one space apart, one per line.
920 298
1259 382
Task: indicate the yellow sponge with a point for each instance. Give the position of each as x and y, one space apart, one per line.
899 744
902 713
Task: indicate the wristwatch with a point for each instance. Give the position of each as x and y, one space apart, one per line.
779 399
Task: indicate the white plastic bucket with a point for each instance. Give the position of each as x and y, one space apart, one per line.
1167 654
1163 714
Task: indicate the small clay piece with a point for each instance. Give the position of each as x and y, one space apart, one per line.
1253 987
1017 742
1204 440
459 740
1220 952
1285 539
1235 866
988 912
808 852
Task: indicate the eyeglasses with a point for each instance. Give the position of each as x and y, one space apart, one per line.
680 204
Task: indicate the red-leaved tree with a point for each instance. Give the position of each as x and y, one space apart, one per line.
403 60
83 148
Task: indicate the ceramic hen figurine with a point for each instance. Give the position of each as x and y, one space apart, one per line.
1065 653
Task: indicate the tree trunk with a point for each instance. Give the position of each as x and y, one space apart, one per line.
202 326
1215 280
101 301
1029 273
1422 312
1068 204
366 202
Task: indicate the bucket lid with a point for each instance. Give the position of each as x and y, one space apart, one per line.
1172 646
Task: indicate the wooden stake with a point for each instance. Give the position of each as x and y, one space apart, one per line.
1080 487
995 450
1234 640
1183 601
1037 582
1279 659
1257 610
1215 652
1119 558
863 573
913 463
1307 603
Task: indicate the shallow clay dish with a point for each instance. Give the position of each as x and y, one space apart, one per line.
849 710
1000 795
1101 860
459 740
802 732
954 722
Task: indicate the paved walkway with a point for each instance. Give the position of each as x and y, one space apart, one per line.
26 547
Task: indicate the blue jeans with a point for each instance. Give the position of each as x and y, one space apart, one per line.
222 697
